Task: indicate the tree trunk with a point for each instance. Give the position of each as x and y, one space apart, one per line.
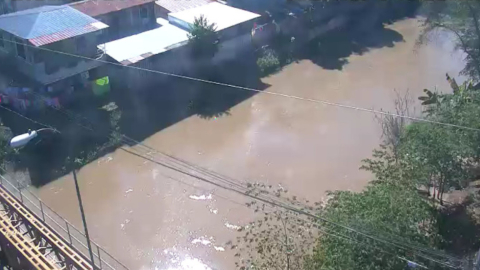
441 190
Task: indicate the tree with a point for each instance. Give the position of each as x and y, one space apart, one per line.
393 126
442 156
204 37
460 18
7 153
385 210
435 157
286 240
279 239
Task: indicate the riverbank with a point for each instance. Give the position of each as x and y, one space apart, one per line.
151 217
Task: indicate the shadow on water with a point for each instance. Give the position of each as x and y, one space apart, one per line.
176 99
332 51
338 37
144 113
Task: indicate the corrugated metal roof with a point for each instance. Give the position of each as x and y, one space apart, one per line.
180 5
221 15
98 7
135 48
48 24
43 40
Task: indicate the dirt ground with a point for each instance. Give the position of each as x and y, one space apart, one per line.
151 217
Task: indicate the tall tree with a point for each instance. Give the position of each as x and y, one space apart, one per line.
385 210
441 156
460 18
203 37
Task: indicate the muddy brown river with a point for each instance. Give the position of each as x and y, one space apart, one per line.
150 217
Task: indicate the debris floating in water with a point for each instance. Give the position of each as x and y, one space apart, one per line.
201 197
202 240
218 248
233 227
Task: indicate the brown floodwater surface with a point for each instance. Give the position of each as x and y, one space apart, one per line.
150 217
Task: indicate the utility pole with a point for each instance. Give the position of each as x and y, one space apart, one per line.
23 140
84 219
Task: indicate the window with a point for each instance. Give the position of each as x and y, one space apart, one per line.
20 48
143 13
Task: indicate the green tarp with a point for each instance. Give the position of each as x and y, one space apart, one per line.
101 86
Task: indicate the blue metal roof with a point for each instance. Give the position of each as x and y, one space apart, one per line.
45 21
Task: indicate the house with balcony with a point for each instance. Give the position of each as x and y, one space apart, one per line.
124 17
45 45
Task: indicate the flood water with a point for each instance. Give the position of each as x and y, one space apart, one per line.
150 217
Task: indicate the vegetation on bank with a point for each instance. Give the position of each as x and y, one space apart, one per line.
401 219
203 37
52 155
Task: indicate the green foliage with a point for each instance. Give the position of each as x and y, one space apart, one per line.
115 115
278 239
268 62
384 210
387 167
393 208
429 98
114 139
390 208
204 37
461 18
436 155
7 153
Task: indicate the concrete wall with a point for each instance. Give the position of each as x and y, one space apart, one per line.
48 67
177 61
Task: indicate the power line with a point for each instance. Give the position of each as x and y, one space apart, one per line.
183 163
129 141
340 236
324 102
268 200
286 207
29 119
272 93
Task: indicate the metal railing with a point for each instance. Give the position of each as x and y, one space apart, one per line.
103 260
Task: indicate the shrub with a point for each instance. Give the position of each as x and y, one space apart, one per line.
268 62
204 37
